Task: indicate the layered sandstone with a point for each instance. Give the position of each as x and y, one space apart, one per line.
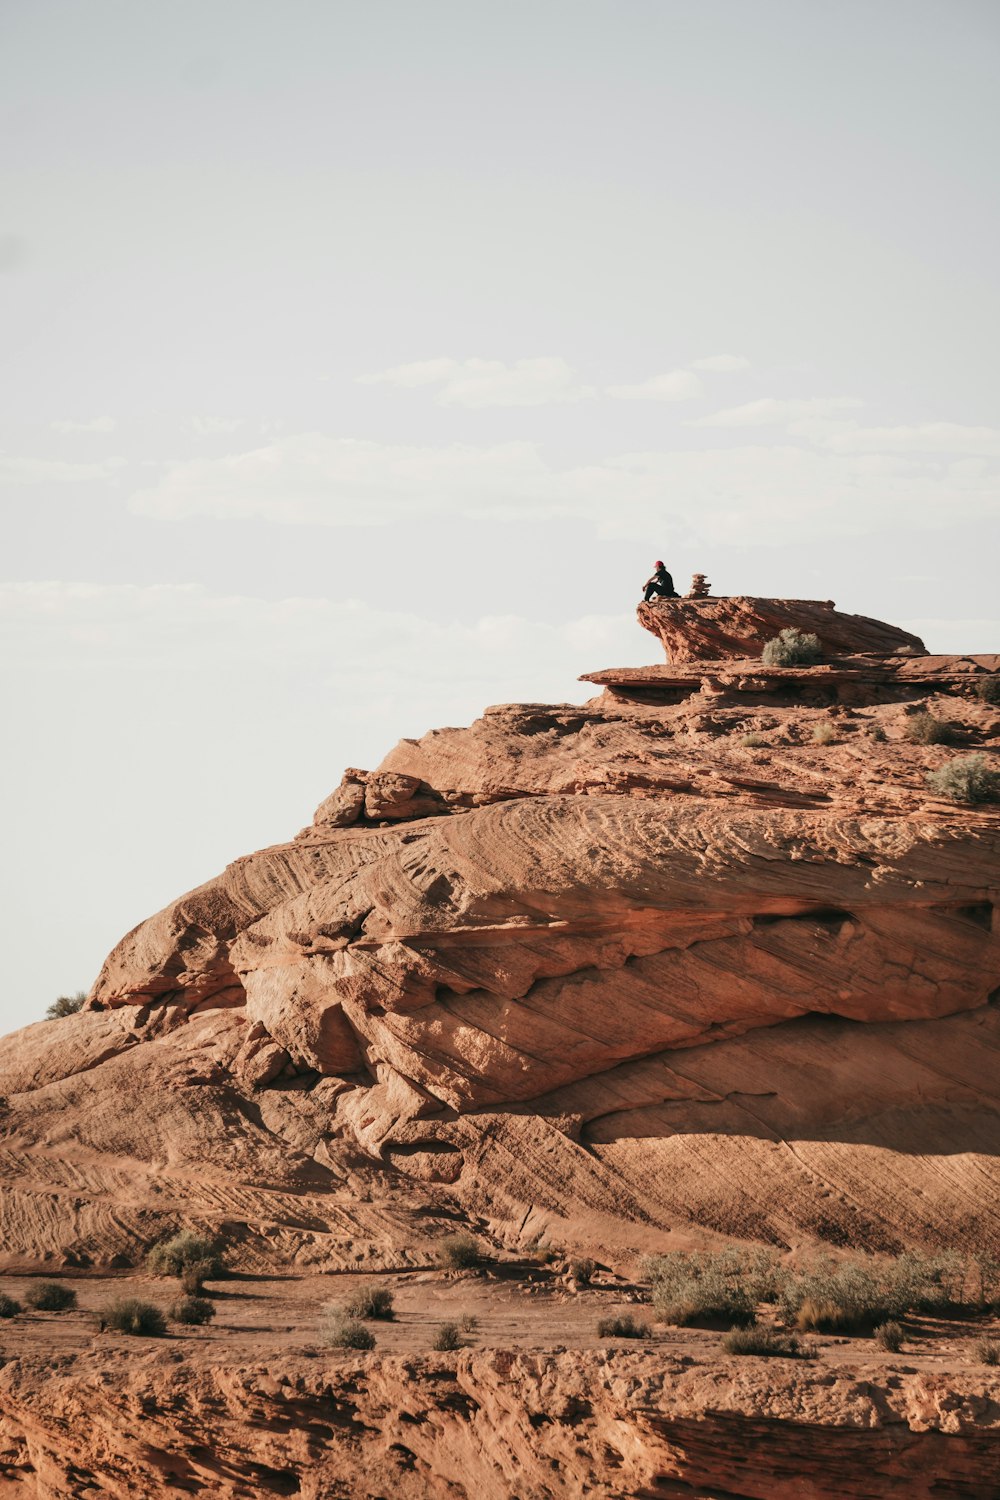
606 965
706 629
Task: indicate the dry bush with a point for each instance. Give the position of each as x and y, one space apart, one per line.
754 740
132 1315
924 729
987 1351
766 1342
862 1292
468 1322
184 1252
988 689
967 778
66 1005
9 1306
721 1287
582 1270
460 1252
622 1326
348 1333
448 1337
194 1276
194 1310
791 648
370 1301
50 1296
824 733
889 1336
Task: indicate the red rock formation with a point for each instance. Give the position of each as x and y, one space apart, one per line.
702 629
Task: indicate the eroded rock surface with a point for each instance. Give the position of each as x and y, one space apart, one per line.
704 955
712 628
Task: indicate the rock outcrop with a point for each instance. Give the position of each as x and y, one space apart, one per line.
705 629
596 937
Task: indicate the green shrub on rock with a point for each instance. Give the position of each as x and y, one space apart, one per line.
792 648
370 1302
185 1251
966 778
132 1315
50 1296
192 1310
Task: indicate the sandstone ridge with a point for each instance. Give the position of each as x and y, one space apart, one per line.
704 956
711 628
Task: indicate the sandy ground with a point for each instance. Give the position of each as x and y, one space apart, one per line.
515 1306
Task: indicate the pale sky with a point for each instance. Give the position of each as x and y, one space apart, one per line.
360 358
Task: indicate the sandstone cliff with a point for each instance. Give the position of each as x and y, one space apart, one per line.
704 955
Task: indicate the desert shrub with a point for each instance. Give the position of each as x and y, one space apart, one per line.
754 740
791 648
924 729
348 1333
194 1276
988 688
766 1342
460 1252
824 733
66 1005
184 1252
987 1351
582 1270
369 1302
468 1322
712 1287
622 1326
877 733
194 1310
50 1296
132 1315
862 1292
448 1337
985 1278
9 1306
889 1336
967 778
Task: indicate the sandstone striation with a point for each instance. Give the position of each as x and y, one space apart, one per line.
699 628
705 957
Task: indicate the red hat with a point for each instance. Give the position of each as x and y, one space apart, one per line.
658 563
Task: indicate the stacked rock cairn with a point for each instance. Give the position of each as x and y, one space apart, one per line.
699 587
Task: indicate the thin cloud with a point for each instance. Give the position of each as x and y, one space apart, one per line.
676 385
730 495
210 426
93 424
488 382
771 411
22 471
722 364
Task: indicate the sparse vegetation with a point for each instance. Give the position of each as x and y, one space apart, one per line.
9 1306
448 1337
862 1293
967 778
988 689
370 1301
754 740
582 1270
348 1333
622 1326
50 1296
723 1287
987 1351
468 1322
193 1310
889 1336
66 1005
766 1342
792 648
132 1315
187 1251
924 729
460 1252
824 733
194 1276
876 732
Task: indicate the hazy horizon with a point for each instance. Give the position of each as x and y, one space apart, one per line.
360 360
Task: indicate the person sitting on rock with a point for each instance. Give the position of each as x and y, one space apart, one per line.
660 583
